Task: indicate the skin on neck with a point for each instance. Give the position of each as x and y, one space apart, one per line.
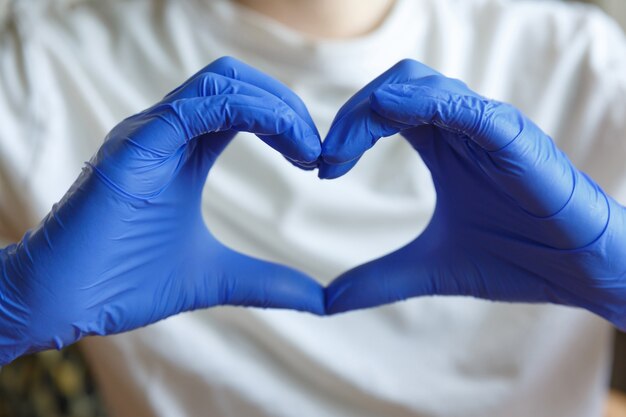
325 18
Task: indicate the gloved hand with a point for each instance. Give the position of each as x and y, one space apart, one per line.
514 219
127 245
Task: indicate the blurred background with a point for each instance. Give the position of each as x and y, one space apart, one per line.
616 8
54 384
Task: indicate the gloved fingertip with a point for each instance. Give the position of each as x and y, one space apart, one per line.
323 172
298 151
331 172
312 149
338 148
317 309
339 157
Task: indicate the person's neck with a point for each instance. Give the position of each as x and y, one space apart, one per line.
325 18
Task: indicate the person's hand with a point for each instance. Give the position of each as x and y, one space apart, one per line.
514 219
127 245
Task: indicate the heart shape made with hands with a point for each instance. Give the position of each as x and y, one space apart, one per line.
127 245
512 211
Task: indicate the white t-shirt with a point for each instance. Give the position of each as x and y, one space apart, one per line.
70 70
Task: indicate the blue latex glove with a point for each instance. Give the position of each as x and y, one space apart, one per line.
514 219
127 245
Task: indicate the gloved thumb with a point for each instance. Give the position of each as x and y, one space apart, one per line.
400 275
241 280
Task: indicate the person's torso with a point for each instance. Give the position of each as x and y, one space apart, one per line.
102 61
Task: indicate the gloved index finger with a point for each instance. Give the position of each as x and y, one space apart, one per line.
354 133
403 71
235 69
356 127
171 125
211 84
